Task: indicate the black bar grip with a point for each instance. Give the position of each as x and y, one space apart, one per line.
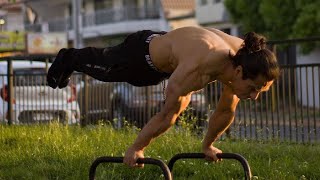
238 157
105 159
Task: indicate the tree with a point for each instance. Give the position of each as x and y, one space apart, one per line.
278 19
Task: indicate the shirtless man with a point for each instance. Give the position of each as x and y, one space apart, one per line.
191 58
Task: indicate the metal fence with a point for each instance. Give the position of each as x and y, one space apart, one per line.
289 111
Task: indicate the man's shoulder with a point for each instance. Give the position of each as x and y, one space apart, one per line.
206 33
192 33
189 29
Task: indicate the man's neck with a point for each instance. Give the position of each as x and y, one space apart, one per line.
226 73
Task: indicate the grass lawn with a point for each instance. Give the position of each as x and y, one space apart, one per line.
66 152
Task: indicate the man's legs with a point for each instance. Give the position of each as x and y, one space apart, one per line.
105 64
120 63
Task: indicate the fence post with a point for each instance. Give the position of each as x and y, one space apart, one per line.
10 91
148 103
273 94
47 64
84 117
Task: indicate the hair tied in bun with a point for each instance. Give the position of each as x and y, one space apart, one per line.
254 42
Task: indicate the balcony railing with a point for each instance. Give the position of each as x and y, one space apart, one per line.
100 17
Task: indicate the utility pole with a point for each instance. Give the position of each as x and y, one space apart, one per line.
78 43
77 23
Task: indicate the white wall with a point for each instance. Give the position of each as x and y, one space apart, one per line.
215 15
210 12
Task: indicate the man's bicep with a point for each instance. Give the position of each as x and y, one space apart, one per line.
175 103
228 100
172 100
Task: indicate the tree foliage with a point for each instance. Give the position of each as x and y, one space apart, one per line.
278 19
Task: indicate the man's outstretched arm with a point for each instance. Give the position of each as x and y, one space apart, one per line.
220 120
161 122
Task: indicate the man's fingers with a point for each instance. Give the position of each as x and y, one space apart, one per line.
131 157
129 162
136 165
209 158
133 164
212 159
126 162
139 165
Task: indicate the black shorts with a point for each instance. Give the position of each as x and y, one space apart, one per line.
128 62
141 67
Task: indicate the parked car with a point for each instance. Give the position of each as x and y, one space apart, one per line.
33 101
121 101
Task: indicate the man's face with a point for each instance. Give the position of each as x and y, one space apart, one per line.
250 89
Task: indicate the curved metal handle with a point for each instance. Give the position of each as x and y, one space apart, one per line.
105 159
238 157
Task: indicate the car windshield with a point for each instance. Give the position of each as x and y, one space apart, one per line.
29 77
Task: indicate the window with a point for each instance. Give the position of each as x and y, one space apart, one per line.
203 2
103 4
131 3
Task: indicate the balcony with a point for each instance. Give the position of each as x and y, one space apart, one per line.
108 22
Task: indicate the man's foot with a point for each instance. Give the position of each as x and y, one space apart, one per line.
52 82
65 78
60 71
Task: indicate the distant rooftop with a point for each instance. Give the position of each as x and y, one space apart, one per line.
10 5
178 8
178 4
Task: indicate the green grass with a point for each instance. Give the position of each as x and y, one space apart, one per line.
66 152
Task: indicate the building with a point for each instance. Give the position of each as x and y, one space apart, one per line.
103 22
212 13
180 13
11 16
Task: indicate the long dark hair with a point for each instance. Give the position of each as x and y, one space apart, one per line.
255 58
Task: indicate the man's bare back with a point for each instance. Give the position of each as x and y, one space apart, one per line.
201 51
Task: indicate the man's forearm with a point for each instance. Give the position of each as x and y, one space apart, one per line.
155 127
218 123
163 120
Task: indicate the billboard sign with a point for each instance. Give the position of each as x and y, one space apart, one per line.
12 41
46 43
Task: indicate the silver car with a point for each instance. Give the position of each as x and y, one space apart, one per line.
33 101
119 100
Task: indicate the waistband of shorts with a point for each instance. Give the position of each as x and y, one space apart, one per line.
147 55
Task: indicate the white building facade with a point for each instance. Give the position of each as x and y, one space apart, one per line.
100 19
212 13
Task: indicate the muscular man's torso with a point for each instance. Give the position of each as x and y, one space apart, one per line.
203 53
